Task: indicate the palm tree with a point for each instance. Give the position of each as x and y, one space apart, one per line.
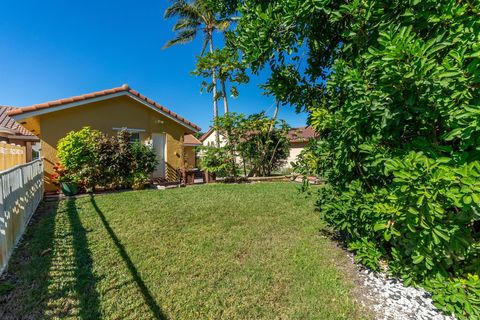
194 17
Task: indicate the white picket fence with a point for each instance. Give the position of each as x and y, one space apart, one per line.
21 190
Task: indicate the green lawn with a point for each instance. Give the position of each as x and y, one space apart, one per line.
251 251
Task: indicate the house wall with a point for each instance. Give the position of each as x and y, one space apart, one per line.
295 149
211 140
104 116
190 162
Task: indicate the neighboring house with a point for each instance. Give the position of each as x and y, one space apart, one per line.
12 132
110 111
299 137
209 139
189 144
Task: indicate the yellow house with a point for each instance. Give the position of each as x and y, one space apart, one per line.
110 111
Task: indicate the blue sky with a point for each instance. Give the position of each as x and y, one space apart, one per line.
56 49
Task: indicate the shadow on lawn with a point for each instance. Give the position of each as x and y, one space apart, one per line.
51 271
85 279
147 295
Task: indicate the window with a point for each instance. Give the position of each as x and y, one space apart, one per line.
134 133
134 137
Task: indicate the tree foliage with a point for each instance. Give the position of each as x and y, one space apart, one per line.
392 88
266 146
229 70
255 145
93 159
194 17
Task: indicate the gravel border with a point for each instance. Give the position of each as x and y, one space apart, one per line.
389 299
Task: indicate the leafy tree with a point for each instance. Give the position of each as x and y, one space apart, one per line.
234 128
218 160
265 147
257 144
229 69
392 87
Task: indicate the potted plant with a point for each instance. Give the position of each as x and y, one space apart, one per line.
67 183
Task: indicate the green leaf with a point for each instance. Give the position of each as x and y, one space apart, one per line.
380 226
467 199
442 234
418 259
387 235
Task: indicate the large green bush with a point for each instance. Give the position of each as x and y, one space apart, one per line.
93 159
393 89
77 156
218 160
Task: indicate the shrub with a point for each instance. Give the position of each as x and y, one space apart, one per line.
392 88
109 162
460 296
366 253
218 161
76 153
144 162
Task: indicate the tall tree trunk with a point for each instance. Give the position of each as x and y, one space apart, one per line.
274 118
275 113
225 101
214 90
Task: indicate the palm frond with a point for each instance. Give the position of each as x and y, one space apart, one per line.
222 25
183 9
184 36
186 23
173 10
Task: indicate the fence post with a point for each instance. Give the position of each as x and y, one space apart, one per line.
3 226
3 156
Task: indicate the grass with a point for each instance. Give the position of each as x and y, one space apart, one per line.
251 251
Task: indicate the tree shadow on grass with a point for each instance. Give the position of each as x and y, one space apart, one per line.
85 284
51 272
147 295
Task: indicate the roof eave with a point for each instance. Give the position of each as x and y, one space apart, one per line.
24 138
206 135
41 111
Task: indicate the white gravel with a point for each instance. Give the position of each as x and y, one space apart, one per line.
391 300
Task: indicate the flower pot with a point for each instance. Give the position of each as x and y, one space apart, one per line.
69 188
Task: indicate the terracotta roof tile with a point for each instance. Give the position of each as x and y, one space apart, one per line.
125 87
206 134
9 123
190 139
301 134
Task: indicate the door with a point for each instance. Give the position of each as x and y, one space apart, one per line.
158 141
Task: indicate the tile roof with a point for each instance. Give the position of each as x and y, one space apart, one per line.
301 134
124 88
206 134
9 123
189 139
